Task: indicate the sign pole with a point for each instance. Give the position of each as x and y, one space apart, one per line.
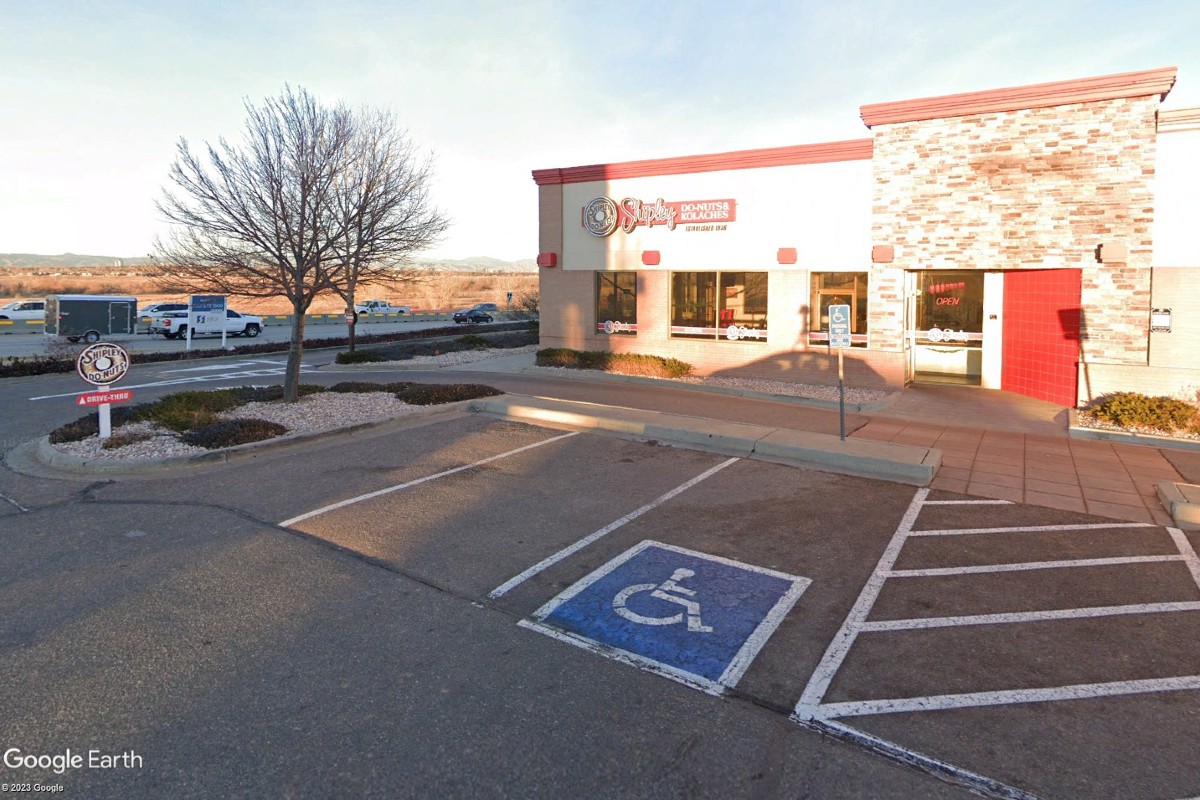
841 398
105 414
839 337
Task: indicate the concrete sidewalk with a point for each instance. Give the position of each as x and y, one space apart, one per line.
989 443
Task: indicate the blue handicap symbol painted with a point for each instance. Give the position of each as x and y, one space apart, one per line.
696 617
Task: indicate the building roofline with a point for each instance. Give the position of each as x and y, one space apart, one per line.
1041 95
1178 119
821 153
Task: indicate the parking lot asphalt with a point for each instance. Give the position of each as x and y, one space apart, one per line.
1012 649
479 607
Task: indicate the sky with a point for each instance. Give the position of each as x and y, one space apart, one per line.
94 97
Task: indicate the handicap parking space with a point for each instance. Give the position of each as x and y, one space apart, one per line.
703 625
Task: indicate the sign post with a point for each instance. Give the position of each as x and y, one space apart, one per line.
206 314
839 337
102 365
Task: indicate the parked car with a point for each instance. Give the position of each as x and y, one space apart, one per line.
174 325
156 309
471 315
24 309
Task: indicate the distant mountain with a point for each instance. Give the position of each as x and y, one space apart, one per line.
72 260
68 260
478 264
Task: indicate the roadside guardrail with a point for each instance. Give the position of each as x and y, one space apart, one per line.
36 325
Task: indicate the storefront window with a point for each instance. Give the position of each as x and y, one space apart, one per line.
839 288
952 304
731 306
616 303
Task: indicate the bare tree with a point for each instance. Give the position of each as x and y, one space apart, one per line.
384 196
301 208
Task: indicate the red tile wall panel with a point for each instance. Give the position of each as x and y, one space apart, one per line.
1041 334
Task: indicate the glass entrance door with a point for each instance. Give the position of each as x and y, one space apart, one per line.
945 327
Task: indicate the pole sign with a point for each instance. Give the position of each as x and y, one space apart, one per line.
206 313
102 365
839 326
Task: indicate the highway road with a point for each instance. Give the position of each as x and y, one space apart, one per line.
26 344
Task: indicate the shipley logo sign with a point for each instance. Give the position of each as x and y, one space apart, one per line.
602 215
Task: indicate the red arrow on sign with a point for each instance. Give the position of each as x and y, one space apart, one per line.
100 398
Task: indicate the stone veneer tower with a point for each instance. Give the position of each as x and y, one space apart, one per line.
1051 176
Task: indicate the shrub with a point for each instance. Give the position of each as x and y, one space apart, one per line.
358 357
1133 409
230 432
270 394
185 411
428 394
624 363
355 387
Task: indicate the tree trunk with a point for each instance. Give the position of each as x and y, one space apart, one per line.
291 378
352 326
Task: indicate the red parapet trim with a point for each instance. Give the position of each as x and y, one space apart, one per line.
823 153
651 258
547 259
786 255
1040 95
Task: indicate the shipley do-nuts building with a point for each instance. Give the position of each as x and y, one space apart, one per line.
1040 239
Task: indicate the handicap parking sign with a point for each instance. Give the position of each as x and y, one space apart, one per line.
691 616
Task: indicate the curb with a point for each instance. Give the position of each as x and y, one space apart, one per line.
586 374
41 452
867 459
1077 431
1182 501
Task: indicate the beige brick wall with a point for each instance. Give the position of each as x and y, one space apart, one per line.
1177 288
1028 189
567 300
550 220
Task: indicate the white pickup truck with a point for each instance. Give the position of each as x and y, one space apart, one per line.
380 307
174 324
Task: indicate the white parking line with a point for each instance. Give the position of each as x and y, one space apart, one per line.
1187 552
215 367
1032 529
249 373
839 648
981 784
1083 691
810 708
1029 565
923 623
398 487
517 580
812 711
